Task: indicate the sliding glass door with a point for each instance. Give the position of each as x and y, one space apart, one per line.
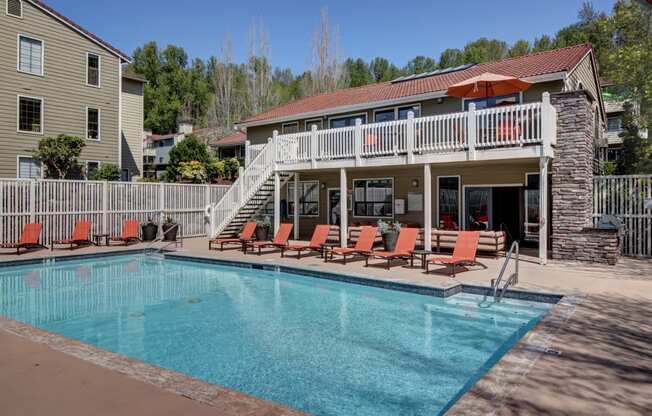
478 208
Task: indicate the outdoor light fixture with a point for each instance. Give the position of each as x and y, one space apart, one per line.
323 185
415 183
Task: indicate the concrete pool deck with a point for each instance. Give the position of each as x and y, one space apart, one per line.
604 365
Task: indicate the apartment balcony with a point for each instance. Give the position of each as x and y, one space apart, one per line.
518 131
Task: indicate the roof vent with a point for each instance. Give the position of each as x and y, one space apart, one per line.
432 73
15 8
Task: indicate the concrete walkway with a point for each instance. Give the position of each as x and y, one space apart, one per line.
604 365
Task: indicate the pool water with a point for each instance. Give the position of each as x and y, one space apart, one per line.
316 345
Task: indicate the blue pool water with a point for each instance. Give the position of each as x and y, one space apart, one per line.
320 346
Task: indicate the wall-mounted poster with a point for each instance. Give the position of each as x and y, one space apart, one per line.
415 202
399 206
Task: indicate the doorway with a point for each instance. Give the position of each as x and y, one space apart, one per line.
334 212
495 208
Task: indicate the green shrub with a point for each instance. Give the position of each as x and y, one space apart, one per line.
106 172
187 150
59 155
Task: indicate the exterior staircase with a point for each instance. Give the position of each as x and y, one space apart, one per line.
248 195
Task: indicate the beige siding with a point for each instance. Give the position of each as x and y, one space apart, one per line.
63 88
132 126
584 74
503 173
446 105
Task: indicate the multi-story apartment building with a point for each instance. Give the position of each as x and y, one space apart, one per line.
58 78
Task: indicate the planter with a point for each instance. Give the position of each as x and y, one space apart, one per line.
262 233
389 240
172 234
149 231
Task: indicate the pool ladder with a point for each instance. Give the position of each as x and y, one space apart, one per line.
498 293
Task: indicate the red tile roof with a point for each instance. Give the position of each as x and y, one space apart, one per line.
541 63
77 27
230 140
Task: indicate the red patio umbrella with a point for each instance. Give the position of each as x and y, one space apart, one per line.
488 85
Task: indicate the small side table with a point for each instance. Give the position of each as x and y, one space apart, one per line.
98 239
326 247
423 254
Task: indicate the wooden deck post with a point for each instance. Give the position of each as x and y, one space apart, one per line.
357 141
295 199
427 207
410 139
472 137
314 145
344 211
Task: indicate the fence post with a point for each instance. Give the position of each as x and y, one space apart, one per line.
357 141
247 153
276 147
161 203
32 200
410 139
242 183
105 207
314 146
207 202
471 131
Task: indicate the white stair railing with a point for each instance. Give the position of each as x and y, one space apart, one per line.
243 189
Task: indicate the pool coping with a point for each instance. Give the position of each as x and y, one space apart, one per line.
499 381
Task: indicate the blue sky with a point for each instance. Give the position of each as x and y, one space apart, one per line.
395 30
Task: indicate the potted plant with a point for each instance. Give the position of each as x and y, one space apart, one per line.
263 226
170 229
389 231
149 229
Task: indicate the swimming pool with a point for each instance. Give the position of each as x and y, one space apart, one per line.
321 346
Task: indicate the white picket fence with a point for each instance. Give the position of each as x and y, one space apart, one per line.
58 205
625 197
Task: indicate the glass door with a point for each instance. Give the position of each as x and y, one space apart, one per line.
478 208
334 212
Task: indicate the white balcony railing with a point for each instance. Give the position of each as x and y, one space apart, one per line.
470 131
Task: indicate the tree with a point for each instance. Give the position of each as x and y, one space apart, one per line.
358 72
259 71
106 172
451 58
59 155
636 156
187 150
382 70
519 48
484 50
544 43
328 73
420 64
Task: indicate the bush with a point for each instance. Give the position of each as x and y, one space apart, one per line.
59 155
106 172
215 169
193 172
190 149
231 167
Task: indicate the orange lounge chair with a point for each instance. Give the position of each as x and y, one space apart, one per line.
407 239
130 232
246 235
28 239
80 235
363 246
280 240
319 237
464 252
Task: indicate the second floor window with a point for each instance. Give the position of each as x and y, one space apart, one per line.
30 55
613 124
93 124
30 115
93 70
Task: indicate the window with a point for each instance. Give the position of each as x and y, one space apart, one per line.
488 102
93 70
613 124
93 124
448 198
346 121
373 198
315 122
290 128
30 55
397 113
30 115
308 198
28 168
15 8
91 166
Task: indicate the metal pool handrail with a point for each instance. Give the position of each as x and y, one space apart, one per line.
513 278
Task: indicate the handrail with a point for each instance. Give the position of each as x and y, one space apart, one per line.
513 279
162 237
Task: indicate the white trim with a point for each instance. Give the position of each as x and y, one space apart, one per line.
18 157
294 123
287 191
20 35
365 114
18 130
383 103
11 15
99 70
353 181
99 124
312 120
459 200
395 108
492 185
81 32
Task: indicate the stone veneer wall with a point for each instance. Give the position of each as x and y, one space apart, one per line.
572 185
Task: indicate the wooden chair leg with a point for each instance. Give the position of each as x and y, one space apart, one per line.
344 259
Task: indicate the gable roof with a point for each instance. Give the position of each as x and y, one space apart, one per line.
79 29
234 139
557 61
